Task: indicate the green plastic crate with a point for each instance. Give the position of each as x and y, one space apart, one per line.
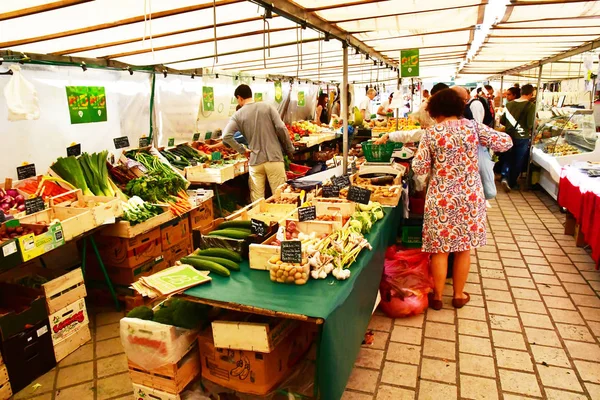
378 152
412 236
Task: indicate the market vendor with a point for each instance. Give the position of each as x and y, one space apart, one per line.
365 105
268 138
384 109
322 113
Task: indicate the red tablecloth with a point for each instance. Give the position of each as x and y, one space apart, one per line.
580 195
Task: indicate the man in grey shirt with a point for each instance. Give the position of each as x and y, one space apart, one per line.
266 134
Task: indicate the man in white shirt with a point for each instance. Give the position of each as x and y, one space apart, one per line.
365 105
476 107
384 108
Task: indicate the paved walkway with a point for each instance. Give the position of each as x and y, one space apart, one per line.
530 331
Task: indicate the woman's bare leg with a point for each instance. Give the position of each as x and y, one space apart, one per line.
439 269
462 264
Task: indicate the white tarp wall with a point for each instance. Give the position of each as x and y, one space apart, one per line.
42 141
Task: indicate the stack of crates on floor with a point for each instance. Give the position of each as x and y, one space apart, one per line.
163 359
5 391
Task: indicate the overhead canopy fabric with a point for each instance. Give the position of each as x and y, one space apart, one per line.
535 30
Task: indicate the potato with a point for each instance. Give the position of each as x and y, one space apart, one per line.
289 279
301 282
293 271
298 275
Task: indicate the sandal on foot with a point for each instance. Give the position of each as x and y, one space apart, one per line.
435 304
460 303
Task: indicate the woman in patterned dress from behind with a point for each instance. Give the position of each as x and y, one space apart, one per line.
455 211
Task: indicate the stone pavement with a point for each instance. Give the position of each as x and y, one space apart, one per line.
530 331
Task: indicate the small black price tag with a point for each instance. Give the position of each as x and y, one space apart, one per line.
2 217
34 205
291 251
331 191
193 162
307 213
359 195
341 182
171 142
196 137
258 227
121 142
26 171
74 150
144 142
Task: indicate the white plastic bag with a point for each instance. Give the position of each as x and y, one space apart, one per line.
21 97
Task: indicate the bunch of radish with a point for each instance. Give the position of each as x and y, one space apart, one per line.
10 199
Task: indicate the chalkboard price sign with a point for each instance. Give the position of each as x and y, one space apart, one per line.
359 195
171 142
26 171
34 205
291 251
341 181
121 142
331 191
307 213
196 137
74 150
193 162
144 142
2 217
258 227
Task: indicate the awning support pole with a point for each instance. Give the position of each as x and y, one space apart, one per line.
501 90
538 100
344 110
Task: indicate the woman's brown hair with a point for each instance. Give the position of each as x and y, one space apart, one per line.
446 103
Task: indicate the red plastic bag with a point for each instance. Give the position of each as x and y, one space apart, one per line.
405 283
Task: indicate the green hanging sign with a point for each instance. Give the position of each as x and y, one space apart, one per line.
86 104
301 99
409 63
171 142
208 98
278 92
258 97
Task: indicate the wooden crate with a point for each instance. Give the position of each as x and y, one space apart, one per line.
72 343
124 229
68 321
74 221
266 212
259 254
143 392
201 174
5 391
62 288
332 206
391 201
251 332
104 209
171 378
202 215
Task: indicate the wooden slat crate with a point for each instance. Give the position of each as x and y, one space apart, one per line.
124 229
171 378
64 290
5 390
72 343
143 392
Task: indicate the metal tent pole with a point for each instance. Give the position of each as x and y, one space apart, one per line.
501 90
344 105
538 98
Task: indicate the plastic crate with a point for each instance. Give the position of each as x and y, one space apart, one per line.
378 152
299 169
412 236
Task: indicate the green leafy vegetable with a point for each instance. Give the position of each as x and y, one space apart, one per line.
70 170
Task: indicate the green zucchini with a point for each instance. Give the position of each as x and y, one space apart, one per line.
205 265
230 233
219 252
231 265
235 224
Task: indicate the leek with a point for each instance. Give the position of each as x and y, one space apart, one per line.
69 169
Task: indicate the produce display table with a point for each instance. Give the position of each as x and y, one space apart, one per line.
580 195
342 308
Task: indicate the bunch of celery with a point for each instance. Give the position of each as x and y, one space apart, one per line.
70 170
137 210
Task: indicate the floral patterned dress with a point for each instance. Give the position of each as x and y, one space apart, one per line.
455 210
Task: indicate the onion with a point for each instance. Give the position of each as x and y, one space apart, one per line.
20 199
12 192
7 199
5 206
21 207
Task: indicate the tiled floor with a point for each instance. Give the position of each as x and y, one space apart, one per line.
96 371
530 331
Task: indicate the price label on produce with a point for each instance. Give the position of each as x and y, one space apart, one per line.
121 142
208 135
258 227
74 150
196 137
26 171
359 195
144 142
34 205
340 182
171 142
215 155
331 191
291 251
307 213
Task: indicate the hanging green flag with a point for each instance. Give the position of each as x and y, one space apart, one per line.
301 99
208 98
258 97
86 104
409 63
278 92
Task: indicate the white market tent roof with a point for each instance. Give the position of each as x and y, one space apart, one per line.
180 34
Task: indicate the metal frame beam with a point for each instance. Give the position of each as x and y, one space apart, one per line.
308 19
39 9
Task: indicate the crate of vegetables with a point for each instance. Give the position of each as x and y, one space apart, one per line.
74 221
138 218
33 239
385 188
266 212
104 209
231 235
213 174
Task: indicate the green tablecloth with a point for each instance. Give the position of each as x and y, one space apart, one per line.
346 306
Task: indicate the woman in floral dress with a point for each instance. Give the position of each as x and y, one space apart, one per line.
455 211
